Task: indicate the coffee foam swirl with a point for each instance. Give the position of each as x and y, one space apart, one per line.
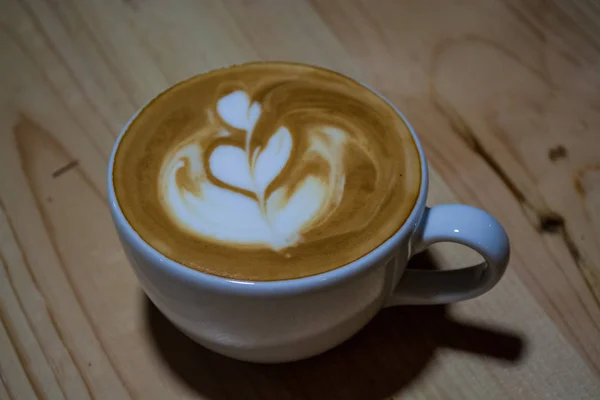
295 172
263 186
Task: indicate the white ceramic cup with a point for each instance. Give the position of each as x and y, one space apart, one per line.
288 320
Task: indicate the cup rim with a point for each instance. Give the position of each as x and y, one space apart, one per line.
382 252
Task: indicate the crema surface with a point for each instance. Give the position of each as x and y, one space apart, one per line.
266 171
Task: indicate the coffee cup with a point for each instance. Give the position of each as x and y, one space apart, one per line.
281 320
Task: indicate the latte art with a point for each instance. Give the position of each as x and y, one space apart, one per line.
267 171
254 187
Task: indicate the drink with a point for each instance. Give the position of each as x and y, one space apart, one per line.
266 171
275 171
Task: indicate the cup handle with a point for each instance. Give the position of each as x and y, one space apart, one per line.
461 224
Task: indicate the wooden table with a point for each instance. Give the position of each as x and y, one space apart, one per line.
505 96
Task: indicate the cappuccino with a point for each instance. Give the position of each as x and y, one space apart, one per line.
266 171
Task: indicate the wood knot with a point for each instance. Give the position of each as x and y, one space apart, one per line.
556 153
551 222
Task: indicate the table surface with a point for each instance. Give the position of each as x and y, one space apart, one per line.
505 96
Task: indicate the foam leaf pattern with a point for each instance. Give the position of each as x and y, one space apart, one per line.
260 169
229 164
272 159
233 109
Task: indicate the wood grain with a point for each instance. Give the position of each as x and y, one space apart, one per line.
504 94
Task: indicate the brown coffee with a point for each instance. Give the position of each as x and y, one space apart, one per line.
266 171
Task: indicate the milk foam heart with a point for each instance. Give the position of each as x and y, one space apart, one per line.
266 171
235 207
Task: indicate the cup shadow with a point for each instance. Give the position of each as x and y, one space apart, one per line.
378 362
